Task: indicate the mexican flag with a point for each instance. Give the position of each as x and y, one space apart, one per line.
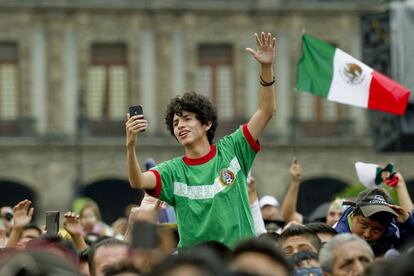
329 72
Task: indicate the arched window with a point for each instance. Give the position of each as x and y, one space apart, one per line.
13 192
314 192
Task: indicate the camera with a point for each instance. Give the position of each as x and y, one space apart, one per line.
8 216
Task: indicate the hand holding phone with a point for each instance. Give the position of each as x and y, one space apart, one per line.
52 223
135 110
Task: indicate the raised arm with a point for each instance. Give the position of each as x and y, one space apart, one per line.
22 215
137 178
289 203
402 193
264 54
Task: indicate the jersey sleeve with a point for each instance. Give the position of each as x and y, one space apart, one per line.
164 182
244 146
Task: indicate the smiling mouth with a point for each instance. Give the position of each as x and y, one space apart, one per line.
182 134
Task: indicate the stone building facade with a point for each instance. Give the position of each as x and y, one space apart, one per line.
78 65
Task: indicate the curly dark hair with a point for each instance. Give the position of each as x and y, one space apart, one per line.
195 103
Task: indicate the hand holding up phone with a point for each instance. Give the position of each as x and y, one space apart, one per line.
136 123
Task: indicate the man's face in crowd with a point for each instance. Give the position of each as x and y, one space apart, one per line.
333 215
108 255
297 244
350 259
188 129
367 228
270 212
257 264
27 235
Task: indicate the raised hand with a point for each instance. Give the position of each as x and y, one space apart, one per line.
295 170
22 213
251 188
265 52
71 223
403 214
133 126
148 213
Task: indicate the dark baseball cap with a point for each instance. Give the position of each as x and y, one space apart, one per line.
374 204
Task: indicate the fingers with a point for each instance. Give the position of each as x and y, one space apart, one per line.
22 205
31 212
258 41
157 204
136 124
71 215
265 40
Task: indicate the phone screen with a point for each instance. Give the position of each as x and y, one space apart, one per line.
52 223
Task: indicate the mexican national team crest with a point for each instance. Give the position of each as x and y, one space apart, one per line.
227 177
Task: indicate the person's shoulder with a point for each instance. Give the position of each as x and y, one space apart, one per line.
236 132
176 161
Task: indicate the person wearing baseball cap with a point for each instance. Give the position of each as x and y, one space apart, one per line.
375 218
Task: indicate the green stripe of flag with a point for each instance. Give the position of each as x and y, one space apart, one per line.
314 71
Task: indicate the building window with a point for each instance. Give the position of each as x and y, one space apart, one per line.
318 117
215 78
107 88
8 81
10 123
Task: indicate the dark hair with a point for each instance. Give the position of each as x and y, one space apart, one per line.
203 259
270 237
33 226
195 103
303 231
106 242
321 228
220 249
265 248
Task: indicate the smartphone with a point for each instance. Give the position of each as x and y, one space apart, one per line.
144 235
135 110
52 223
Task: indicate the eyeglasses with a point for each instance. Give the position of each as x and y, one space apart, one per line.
315 271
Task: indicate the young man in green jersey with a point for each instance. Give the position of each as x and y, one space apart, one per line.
207 187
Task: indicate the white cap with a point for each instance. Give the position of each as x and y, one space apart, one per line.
268 200
366 173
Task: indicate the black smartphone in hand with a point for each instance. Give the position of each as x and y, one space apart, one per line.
135 110
52 223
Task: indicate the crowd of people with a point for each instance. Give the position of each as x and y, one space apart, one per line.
219 226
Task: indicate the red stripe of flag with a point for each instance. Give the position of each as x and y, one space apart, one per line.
387 95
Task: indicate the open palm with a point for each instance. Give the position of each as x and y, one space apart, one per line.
72 224
265 51
22 213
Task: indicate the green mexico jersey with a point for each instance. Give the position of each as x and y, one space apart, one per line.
210 194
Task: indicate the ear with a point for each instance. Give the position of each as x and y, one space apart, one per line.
208 126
